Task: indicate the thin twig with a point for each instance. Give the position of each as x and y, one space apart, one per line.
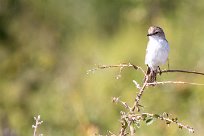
37 123
117 100
123 125
137 67
139 95
183 71
170 120
121 66
132 130
173 82
180 125
129 118
136 84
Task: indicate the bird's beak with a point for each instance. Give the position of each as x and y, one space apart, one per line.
149 34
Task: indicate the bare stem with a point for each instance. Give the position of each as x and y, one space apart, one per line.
37 123
182 71
138 97
117 100
123 125
121 66
173 82
169 120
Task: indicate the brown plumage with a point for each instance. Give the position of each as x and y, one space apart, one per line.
151 75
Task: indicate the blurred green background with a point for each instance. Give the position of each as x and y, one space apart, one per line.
46 47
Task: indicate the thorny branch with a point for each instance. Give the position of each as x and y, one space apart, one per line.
128 65
121 66
149 118
145 84
130 118
138 97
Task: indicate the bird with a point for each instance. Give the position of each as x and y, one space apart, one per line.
157 52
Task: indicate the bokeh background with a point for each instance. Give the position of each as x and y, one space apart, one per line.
46 47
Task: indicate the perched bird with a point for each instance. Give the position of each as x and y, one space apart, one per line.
156 53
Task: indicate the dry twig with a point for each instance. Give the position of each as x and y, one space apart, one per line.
138 96
130 118
117 100
173 82
121 66
37 123
182 71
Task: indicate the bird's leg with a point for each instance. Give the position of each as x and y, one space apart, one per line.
155 75
168 63
148 70
160 72
147 74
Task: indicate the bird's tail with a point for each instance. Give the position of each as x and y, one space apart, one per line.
151 75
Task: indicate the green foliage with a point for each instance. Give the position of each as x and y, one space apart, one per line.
149 121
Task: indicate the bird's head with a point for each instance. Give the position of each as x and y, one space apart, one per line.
155 31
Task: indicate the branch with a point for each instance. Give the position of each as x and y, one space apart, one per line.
182 71
121 66
37 123
124 124
130 118
169 120
145 84
173 82
139 95
117 100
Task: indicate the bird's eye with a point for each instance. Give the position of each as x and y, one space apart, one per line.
156 32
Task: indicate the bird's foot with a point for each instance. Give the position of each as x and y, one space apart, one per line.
159 71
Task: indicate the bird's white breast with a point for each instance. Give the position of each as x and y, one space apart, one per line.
157 52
